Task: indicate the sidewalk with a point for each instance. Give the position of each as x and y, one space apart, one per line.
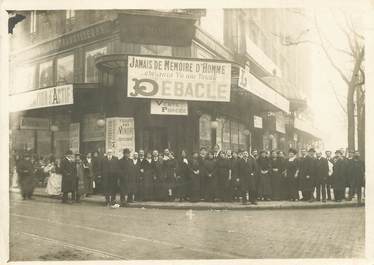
262 205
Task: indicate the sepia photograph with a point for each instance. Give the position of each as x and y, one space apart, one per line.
186 133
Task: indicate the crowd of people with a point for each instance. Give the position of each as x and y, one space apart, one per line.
208 175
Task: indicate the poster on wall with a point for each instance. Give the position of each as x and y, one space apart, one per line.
120 134
74 131
180 79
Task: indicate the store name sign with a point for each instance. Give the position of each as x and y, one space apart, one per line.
249 82
48 97
164 78
169 107
28 123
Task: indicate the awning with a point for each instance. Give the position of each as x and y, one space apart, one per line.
292 93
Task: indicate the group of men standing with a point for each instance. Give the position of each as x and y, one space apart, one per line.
224 176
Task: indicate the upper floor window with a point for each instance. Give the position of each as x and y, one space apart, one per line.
33 21
91 73
70 14
23 78
65 70
46 74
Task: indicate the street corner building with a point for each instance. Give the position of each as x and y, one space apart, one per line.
90 80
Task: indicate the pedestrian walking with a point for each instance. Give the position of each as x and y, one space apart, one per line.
68 172
110 174
264 191
322 172
247 171
26 181
339 179
307 176
291 176
195 177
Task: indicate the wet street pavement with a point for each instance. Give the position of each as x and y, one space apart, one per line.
45 229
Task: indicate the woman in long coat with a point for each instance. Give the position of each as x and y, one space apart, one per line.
81 179
170 167
222 173
291 187
195 177
264 188
183 184
209 165
147 167
25 171
276 168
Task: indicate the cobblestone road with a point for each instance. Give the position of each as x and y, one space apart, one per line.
44 229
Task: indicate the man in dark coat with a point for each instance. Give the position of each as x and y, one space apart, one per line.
339 180
203 181
25 171
69 177
357 171
322 171
247 171
330 162
96 170
124 175
140 180
110 172
307 175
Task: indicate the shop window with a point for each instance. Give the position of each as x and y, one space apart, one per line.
234 134
46 74
91 73
65 70
24 78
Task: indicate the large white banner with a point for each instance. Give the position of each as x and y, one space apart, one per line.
253 85
120 134
164 78
169 107
48 97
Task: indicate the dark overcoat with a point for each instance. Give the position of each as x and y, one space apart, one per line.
25 170
69 176
110 173
307 173
247 175
322 170
340 174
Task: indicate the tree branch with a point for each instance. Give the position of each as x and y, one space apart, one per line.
337 98
333 64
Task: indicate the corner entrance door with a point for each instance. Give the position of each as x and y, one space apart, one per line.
155 138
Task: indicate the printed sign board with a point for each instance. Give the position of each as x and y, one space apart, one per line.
180 79
120 134
169 107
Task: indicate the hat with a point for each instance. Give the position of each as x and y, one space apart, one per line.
109 151
126 151
69 152
312 150
292 150
338 152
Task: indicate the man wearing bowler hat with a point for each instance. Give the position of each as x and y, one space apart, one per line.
110 172
307 175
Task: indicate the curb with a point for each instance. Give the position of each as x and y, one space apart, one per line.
235 207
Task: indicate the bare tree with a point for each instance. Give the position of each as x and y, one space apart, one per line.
354 79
